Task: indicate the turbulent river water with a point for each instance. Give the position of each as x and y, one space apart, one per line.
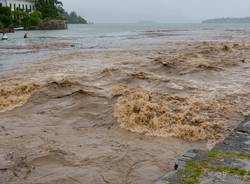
117 103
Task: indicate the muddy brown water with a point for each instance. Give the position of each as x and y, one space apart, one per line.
65 131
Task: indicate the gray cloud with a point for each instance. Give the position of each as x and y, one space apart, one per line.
170 11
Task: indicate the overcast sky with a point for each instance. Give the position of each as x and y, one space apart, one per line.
169 11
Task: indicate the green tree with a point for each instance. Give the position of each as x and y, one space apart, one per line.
5 11
18 15
33 19
5 16
22 18
48 8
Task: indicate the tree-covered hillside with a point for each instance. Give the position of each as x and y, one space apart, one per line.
73 18
47 12
228 20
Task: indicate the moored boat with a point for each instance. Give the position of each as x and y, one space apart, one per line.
4 37
19 28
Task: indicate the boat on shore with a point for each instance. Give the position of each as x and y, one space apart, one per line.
19 28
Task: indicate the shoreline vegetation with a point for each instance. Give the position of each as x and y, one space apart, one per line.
49 15
227 20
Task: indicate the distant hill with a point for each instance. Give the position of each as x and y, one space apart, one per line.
228 20
73 18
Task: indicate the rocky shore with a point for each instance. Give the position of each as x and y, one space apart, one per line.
227 163
53 24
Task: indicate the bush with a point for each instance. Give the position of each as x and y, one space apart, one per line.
54 18
34 21
37 14
35 18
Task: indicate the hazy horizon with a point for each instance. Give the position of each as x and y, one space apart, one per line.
165 11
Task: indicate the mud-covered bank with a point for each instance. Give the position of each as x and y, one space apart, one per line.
69 122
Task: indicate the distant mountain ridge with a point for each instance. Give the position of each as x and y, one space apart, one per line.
228 20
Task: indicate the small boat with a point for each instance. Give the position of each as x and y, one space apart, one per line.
19 28
5 37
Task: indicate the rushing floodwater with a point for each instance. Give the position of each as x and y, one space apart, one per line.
86 111
105 36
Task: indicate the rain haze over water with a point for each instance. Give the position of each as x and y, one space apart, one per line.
169 11
107 36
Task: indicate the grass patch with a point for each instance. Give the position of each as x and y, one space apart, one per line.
214 154
219 154
237 171
196 169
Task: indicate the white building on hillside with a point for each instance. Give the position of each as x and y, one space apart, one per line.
26 5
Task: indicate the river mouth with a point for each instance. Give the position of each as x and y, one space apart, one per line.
68 123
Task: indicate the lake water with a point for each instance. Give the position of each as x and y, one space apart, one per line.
17 50
115 35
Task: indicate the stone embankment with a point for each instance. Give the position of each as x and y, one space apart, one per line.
53 24
227 163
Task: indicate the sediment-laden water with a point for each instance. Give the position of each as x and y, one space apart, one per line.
120 111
